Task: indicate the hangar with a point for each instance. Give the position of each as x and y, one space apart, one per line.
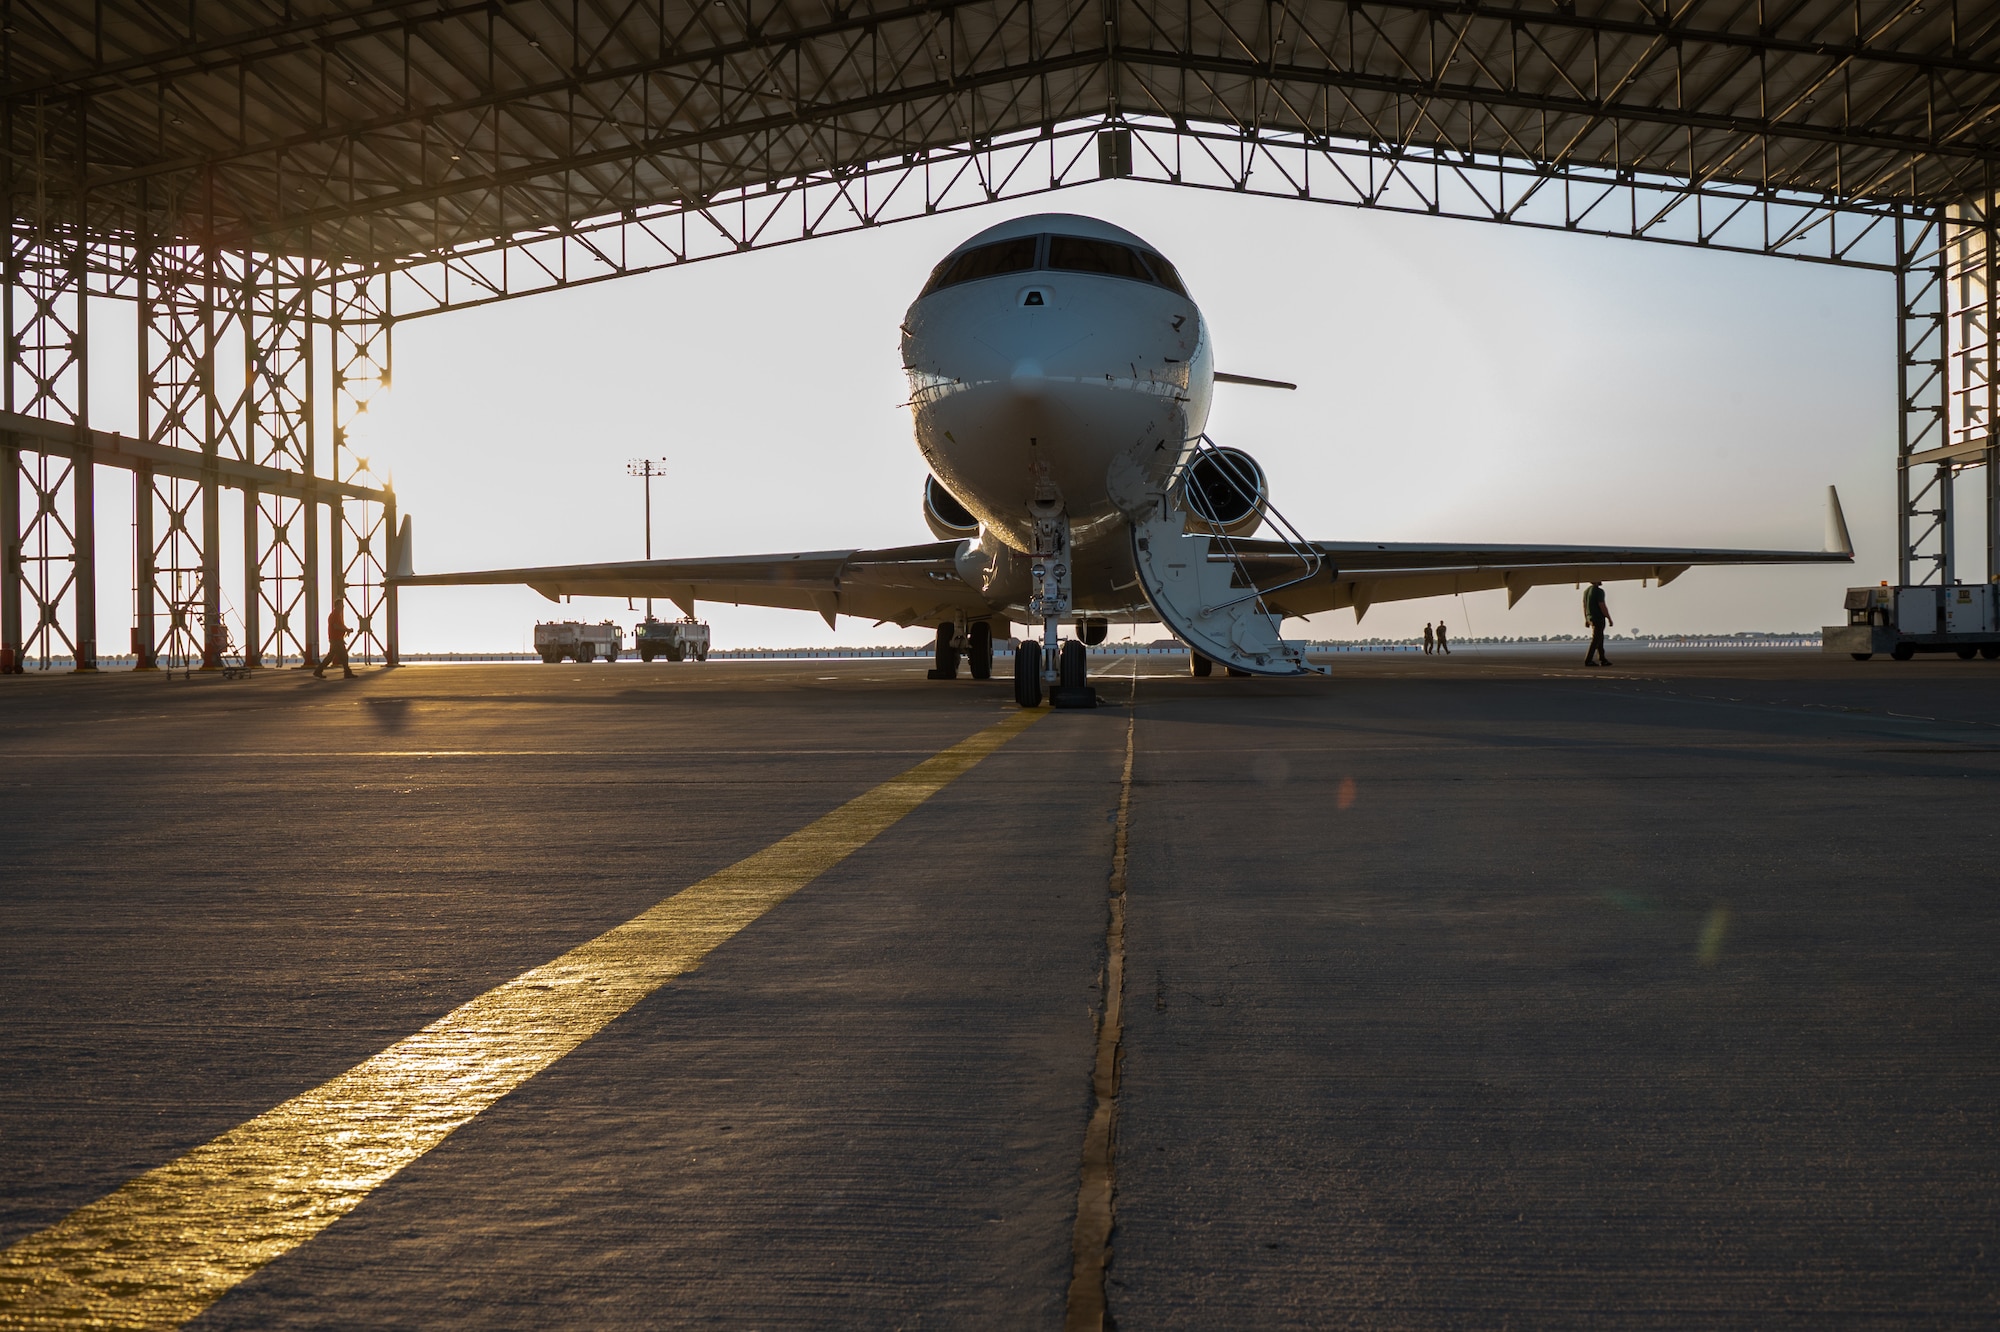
275 185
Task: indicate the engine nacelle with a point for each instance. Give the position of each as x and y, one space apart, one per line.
946 517
1226 488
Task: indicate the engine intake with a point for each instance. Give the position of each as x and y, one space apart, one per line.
945 516
1226 488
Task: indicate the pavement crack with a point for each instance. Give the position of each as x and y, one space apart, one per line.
1090 1241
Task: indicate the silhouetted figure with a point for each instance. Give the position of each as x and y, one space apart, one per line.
1597 615
1444 644
336 645
1427 638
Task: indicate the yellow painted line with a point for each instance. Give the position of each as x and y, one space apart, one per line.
173 1241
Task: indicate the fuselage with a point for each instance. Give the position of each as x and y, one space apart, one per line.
1040 351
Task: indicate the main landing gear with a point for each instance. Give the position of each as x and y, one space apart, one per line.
976 647
1202 667
979 650
946 667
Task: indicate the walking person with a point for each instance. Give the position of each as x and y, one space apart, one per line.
1597 615
1427 638
1444 644
336 645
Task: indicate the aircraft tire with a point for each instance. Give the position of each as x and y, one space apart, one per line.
1966 653
944 653
1862 656
979 650
1028 674
1199 665
1074 665
1235 674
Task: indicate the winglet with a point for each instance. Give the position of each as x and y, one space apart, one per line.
1837 540
406 566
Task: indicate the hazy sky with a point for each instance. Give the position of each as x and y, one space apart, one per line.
1458 381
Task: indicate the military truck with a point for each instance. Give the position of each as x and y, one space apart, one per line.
684 639
557 639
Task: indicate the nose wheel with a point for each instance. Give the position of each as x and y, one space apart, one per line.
1028 674
1071 691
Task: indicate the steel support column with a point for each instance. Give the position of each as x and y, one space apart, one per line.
359 322
174 411
1923 488
280 552
1976 362
392 637
45 320
48 561
10 558
1990 364
253 583
145 569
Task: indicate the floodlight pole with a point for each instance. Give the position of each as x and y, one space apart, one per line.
648 468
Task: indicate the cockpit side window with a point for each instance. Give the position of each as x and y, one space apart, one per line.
1079 254
1007 256
1163 273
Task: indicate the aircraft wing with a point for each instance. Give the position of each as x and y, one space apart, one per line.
905 585
1360 574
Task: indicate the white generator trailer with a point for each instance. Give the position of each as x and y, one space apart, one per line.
1962 619
557 639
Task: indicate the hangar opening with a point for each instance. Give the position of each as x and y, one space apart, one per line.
274 188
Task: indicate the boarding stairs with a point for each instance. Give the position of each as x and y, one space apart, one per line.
1203 583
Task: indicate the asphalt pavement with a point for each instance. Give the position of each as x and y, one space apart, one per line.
1458 992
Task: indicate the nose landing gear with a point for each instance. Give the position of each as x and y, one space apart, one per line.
1065 667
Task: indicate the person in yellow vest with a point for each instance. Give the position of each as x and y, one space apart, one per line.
1597 615
336 644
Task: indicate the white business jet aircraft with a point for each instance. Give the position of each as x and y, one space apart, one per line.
1060 379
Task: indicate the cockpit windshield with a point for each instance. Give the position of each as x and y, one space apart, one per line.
1163 273
1007 256
1072 254
1078 254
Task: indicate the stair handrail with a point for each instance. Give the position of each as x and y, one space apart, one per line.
1308 555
